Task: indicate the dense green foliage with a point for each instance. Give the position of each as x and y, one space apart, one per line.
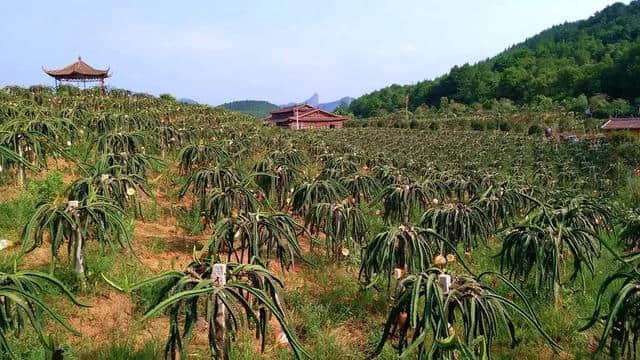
589 65
257 108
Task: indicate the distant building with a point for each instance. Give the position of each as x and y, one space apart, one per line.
304 117
622 124
79 72
567 136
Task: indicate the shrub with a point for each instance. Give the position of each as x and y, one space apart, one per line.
622 137
590 125
564 124
629 153
629 194
504 126
534 129
517 128
48 188
351 124
434 126
478 125
167 97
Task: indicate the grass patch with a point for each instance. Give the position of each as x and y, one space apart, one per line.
190 221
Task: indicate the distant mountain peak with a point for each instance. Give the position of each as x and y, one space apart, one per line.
314 101
187 101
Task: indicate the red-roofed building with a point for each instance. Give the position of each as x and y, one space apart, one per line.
629 124
304 117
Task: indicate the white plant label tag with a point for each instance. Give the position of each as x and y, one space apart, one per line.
398 273
219 274
4 243
445 282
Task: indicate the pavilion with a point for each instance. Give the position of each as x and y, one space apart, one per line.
79 72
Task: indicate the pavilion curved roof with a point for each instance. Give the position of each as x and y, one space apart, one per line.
79 70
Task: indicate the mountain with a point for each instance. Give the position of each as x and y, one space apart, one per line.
256 108
314 100
331 106
260 108
596 56
188 101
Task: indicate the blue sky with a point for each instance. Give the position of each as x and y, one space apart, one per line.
216 51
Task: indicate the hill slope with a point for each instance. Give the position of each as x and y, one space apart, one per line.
257 108
600 55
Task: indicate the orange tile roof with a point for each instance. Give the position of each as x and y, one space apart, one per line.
78 70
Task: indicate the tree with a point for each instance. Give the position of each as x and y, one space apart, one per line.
247 291
361 187
621 321
256 238
600 106
310 193
203 181
388 175
621 107
9 157
128 163
549 237
630 234
430 306
168 137
399 249
276 180
120 142
600 55
76 223
231 200
202 155
34 140
577 105
167 97
343 225
111 183
22 303
399 200
464 223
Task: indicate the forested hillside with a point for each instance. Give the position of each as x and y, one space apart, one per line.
257 108
589 65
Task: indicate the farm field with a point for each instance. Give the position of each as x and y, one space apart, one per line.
116 211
